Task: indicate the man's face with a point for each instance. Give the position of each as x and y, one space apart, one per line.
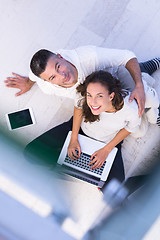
59 71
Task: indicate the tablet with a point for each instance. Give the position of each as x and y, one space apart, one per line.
20 119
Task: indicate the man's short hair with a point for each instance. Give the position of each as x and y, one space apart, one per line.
39 61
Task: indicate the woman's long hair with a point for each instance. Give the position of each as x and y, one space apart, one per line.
110 83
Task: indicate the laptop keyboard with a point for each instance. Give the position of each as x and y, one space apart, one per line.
83 162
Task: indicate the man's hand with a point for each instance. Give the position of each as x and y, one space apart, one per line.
23 83
139 95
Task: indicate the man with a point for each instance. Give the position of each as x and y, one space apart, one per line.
61 73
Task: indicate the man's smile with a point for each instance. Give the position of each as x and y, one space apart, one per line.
67 78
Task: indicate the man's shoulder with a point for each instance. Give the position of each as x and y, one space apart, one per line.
80 49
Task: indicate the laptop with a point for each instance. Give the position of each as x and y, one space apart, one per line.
79 168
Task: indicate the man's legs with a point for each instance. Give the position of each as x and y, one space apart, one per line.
125 78
158 119
150 66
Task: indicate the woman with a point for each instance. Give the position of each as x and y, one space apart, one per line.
106 116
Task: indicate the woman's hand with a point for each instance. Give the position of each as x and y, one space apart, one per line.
98 158
73 146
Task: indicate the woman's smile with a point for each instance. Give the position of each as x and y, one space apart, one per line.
98 98
95 108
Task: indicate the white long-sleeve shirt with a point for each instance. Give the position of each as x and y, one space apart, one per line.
86 59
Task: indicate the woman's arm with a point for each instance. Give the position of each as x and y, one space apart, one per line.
99 157
74 143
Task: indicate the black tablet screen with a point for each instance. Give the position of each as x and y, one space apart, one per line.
20 119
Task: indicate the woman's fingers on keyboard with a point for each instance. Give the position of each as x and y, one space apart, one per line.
78 150
92 162
74 155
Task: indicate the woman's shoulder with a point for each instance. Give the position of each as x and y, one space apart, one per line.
130 106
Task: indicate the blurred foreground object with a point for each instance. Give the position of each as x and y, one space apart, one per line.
31 200
134 218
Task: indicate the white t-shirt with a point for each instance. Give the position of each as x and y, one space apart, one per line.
110 123
86 59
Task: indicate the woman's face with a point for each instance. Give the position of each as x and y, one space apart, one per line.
98 98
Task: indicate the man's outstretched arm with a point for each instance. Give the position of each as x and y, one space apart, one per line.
21 82
138 93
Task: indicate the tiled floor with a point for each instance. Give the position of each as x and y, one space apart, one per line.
27 26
